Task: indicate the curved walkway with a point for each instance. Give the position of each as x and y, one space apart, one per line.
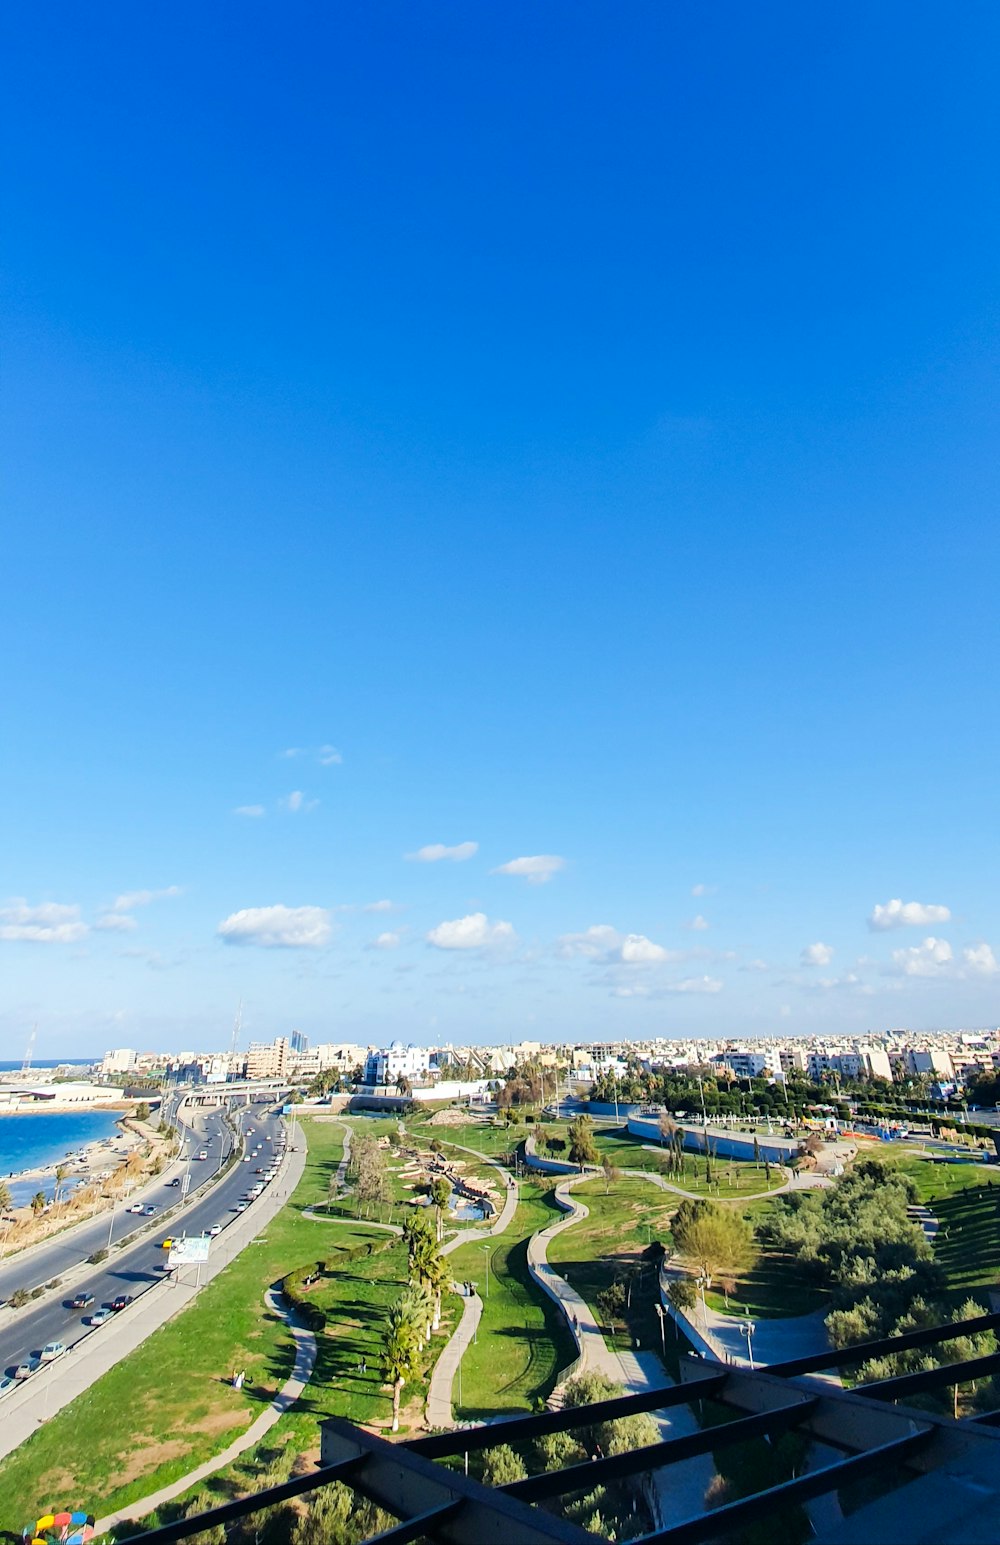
439 1391
305 1361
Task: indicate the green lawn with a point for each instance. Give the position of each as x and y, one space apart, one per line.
935 1178
968 1242
169 1405
523 1341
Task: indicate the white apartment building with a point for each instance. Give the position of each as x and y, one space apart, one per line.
120 1061
937 1063
750 1064
395 1062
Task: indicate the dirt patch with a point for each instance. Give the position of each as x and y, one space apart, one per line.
55 1485
452 1117
144 1460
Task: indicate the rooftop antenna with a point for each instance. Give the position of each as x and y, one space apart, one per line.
26 1065
237 1027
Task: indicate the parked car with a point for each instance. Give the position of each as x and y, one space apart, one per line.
6 1385
122 1302
53 1349
241 1206
27 1368
214 1230
82 1301
100 1317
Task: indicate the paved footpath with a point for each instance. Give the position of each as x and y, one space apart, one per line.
439 1391
305 1361
678 1490
47 1391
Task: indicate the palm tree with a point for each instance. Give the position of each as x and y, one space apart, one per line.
6 1200
440 1196
399 1351
38 1203
438 1279
61 1172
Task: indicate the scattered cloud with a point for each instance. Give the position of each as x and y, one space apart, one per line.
754 965
435 852
931 958
707 984
598 942
50 922
637 950
252 812
981 960
278 927
817 954
326 756
296 802
381 906
537 870
129 900
907 914
116 922
385 941
697 924
703 890
474 932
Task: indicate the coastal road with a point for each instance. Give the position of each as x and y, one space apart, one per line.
200 1128
136 1267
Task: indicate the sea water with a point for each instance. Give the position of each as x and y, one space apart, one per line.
31 1140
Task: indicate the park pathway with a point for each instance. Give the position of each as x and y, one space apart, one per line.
305 1361
678 1490
439 1391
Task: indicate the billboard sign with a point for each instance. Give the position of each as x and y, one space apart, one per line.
189 1252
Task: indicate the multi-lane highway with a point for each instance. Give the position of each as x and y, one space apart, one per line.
134 1267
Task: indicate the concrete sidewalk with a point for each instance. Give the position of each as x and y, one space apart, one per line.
439 1392
305 1361
53 1387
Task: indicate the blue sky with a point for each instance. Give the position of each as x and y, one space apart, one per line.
571 431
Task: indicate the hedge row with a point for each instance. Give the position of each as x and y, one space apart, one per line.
293 1286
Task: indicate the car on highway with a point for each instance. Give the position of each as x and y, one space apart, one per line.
82 1301
175 1182
27 1368
101 1317
149 1211
121 1302
202 1153
53 1349
167 1244
136 1207
248 1159
241 1206
215 1230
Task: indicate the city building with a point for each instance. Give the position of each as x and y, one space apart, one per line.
395 1062
116 1062
268 1059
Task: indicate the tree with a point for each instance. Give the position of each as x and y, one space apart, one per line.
611 1172
611 1302
668 1127
400 1350
62 1171
610 1437
38 1203
440 1197
716 1241
142 1111
502 1466
6 1200
582 1148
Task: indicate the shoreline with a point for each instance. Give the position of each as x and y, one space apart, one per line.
86 1162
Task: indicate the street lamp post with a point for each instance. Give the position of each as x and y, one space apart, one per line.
486 1248
661 1316
747 1329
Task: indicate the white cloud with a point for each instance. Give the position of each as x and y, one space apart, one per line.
116 922
754 965
296 802
254 812
696 984
931 958
599 942
386 941
537 870
907 914
817 954
129 900
435 852
329 756
293 751
278 927
50 922
981 960
703 890
380 906
697 924
474 932
637 950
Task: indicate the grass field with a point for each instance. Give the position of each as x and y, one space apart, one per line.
169 1406
523 1340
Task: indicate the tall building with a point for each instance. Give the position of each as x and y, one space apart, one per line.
268 1059
119 1061
395 1062
298 1043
